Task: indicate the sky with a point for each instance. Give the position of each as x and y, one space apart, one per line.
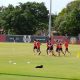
57 5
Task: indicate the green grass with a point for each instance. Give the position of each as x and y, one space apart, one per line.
55 68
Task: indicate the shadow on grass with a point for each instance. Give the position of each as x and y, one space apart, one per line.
37 76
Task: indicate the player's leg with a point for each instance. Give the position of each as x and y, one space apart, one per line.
62 51
68 51
34 49
39 51
52 51
58 51
65 50
47 50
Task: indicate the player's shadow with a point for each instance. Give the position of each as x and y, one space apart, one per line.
38 76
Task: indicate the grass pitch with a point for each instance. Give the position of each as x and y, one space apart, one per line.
17 62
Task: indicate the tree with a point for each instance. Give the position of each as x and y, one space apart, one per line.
68 21
53 17
6 16
27 18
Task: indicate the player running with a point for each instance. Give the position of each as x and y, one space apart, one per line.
66 47
59 48
35 46
50 48
38 47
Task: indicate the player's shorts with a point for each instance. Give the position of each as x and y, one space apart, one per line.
48 48
66 49
35 47
60 49
51 48
57 49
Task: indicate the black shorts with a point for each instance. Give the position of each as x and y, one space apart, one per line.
66 49
60 49
35 47
57 49
49 48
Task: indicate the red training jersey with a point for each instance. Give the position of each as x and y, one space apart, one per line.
60 45
38 44
66 44
35 43
57 45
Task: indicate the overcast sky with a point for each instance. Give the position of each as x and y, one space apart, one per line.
57 5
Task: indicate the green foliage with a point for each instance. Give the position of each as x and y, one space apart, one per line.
26 18
68 21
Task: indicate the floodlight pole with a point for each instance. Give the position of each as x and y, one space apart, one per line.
50 18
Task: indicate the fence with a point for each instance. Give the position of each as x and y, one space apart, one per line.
30 38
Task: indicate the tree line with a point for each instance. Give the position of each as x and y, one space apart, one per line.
26 18
32 17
